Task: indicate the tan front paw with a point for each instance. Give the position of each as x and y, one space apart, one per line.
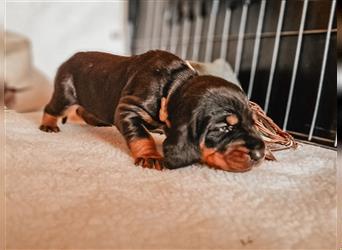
145 153
150 161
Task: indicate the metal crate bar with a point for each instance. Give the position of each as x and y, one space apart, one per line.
324 62
318 139
256 47
156 24
241 37
149 23
165 27
174 30
247 36
295 67
185 30
225 35
275 54
198 31
210 37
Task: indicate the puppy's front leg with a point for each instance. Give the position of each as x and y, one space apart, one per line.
130 120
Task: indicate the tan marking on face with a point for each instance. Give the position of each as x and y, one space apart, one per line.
234 159
232 119
163 115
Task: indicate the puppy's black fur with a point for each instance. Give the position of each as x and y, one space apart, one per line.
206 119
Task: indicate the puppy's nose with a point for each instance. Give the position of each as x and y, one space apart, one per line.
257 154
256 148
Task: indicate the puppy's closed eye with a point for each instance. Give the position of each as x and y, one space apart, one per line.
223 127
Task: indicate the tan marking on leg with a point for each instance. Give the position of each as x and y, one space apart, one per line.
49 123
143 147
49 120
145 153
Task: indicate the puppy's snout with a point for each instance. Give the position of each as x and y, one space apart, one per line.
256 148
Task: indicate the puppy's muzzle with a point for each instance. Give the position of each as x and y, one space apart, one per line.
256 147
239 156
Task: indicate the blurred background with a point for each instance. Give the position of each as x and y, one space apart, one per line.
56 30
283 52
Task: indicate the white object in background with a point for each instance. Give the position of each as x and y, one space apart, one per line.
59 29
219 68
31 88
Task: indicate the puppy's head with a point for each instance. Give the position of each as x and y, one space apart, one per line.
210 122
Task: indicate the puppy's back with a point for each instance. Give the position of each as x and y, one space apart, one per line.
97 79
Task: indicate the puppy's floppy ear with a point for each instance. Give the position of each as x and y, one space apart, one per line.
179 149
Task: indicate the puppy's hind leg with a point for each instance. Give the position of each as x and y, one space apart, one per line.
64 96
49 123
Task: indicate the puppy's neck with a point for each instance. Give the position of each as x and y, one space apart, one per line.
179 76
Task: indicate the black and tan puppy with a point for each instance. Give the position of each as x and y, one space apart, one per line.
205 119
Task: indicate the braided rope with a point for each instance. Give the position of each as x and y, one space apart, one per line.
275 138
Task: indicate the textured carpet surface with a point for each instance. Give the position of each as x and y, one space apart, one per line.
79 189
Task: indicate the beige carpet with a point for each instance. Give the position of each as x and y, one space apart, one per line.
339 196
79 189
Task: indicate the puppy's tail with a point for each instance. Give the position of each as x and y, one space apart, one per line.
64 119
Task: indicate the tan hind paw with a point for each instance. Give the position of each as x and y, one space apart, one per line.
49 123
